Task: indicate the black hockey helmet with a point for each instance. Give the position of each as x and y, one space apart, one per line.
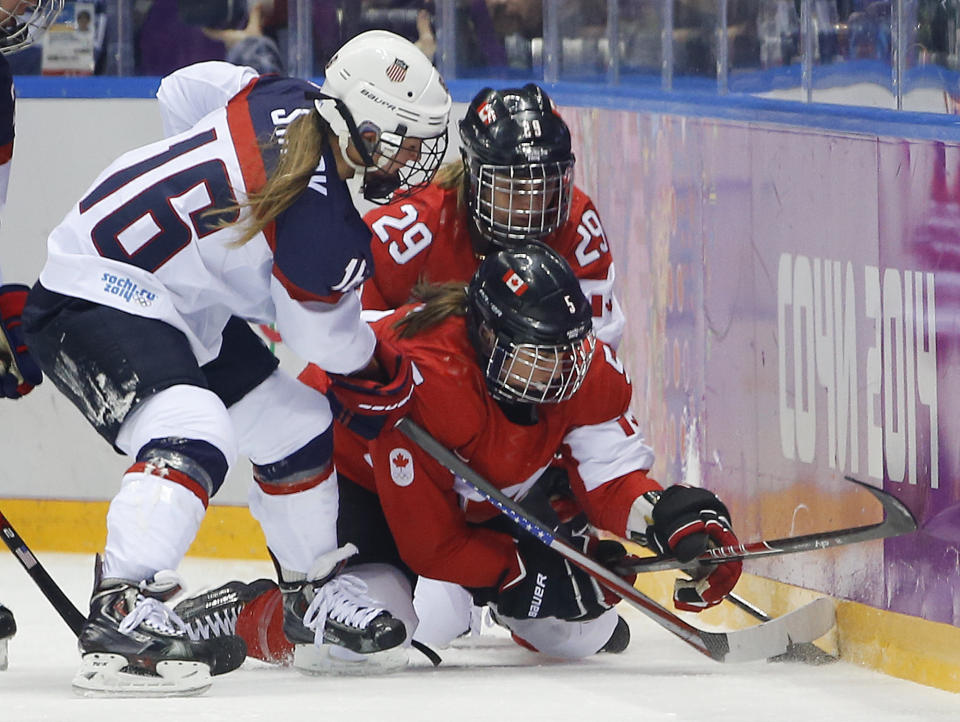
530 324
516 151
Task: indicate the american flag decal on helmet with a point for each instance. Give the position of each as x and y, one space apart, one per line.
397 71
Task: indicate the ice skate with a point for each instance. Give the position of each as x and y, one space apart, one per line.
214 613
8 627
335 627
133 645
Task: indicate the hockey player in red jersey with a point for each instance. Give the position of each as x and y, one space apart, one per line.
515 183
140 319
511 377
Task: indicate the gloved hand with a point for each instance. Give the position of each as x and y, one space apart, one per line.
366 406
19 373
686 522
544 584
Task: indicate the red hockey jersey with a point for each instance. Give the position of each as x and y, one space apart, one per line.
430 511
427 236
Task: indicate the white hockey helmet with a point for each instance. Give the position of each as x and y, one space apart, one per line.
383 93
23 22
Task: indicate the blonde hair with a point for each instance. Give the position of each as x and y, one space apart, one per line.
453 175
439 301
303 145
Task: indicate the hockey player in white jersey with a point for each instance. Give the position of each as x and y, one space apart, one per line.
140 319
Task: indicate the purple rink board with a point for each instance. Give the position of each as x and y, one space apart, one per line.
793 301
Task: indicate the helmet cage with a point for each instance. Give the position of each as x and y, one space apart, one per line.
26 28
395 165
515 203
536 373
410 162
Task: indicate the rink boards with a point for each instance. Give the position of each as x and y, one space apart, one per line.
791 290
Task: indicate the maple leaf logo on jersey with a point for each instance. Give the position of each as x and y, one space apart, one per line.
487 113
401 467
515 283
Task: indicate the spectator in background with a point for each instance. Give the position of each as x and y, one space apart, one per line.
249 45
174 33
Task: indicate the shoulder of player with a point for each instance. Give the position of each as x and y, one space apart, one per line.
322 245
424 207
606 390
446 361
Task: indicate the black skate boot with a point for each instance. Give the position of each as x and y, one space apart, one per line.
332 622
619 640
8 627
214 613
134 645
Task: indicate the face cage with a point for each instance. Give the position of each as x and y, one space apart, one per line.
27 27
521 202
539 374
405 165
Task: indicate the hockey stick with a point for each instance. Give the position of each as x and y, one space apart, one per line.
806 652
897 520
51 590
760 642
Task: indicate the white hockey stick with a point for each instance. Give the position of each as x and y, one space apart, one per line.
760 642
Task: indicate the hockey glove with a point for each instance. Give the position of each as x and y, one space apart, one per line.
19 373
686 522
544 584
367 406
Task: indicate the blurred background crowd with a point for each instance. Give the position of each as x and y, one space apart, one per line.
536 39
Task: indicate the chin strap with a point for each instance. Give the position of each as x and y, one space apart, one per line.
375 187
338 116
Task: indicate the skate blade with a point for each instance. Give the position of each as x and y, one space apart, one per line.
332 660
3 654
103 675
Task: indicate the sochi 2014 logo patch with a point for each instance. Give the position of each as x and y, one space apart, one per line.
401 467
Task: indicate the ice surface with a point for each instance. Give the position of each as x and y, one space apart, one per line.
488 678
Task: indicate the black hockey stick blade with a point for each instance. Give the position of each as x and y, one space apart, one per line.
760 642
898 520
51 590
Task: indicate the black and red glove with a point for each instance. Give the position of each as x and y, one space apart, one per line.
686 522
367 406
545 584
19 373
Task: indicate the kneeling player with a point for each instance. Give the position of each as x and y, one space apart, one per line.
512 377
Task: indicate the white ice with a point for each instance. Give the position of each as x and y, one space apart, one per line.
658 679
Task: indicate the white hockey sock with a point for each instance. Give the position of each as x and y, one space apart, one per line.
150 525
299 527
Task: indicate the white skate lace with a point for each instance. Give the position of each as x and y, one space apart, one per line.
155 614
344 599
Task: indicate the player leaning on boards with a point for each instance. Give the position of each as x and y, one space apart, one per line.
512 375
513 183
22 23
139 318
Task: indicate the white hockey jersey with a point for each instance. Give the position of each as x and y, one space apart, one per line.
151 235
